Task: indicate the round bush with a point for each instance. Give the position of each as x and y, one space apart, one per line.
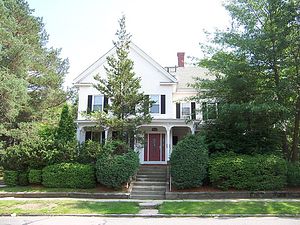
114 172
293 174
189 162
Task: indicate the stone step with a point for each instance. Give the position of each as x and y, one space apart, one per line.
158 179
148 197
149 183
150 193
148 188
152 175
152 169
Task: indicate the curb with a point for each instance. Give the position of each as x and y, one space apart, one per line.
216 216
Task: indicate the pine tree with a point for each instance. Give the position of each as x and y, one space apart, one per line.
66 127
128 107
31 75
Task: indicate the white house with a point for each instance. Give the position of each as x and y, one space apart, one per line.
164 85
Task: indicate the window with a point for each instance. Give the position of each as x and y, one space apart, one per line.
97 103
155 106
209 111
185 109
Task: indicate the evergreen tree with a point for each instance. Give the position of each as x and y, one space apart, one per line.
257 73
31 75
127 107
66 127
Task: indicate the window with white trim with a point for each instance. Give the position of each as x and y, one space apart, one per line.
209 110
155 106
98 103
186 109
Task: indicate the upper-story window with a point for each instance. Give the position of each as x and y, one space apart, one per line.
185 109
98 103
155 106
209 110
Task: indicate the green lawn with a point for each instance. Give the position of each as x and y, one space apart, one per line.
199 208
67 207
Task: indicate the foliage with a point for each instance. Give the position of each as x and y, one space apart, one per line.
256 66
189 162
35 176
36 154
114 171
127 107
10 178
31 75
66 128
90 151
23 179
293 175
260 172
69 175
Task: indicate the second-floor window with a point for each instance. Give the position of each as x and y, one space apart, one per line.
185 109
155 106
209 110
98 103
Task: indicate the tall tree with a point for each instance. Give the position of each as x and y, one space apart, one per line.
31 75
127 108
257 69
66 127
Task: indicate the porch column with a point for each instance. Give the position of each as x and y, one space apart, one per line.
168 128
106 133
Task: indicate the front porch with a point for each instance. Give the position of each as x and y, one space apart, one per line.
161 136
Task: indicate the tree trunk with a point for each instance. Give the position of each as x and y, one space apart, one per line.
285 148
296 133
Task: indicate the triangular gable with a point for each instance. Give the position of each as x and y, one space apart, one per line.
102 60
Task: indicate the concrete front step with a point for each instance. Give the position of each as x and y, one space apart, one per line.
148 197
148 193
151 179
149 183
148 188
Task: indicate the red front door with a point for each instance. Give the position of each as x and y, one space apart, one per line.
154 147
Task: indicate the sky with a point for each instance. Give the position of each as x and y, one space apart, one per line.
161 28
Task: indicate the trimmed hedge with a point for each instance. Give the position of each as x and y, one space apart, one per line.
189 162
69 175
10 178
116 171
293 175
23 179
260 172
35 176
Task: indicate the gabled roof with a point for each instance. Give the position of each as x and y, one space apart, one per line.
103 59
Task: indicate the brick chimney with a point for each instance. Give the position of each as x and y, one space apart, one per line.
180 56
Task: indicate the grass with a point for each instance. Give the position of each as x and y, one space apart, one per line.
67 207
199 208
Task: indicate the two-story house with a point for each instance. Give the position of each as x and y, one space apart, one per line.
165 86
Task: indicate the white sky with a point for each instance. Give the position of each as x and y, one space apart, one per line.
161 28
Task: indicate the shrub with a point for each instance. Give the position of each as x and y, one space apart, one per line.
23 179
115 171
260 172
189 162
35 176
293 175
90 151
10 178
69 175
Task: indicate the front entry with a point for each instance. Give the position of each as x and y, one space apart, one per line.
155 148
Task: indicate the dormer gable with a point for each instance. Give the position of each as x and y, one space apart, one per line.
143 64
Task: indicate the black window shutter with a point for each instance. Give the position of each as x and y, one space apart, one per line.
163 104
103 137
105 104
177 110
89 105
193 111
147 106
88 135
